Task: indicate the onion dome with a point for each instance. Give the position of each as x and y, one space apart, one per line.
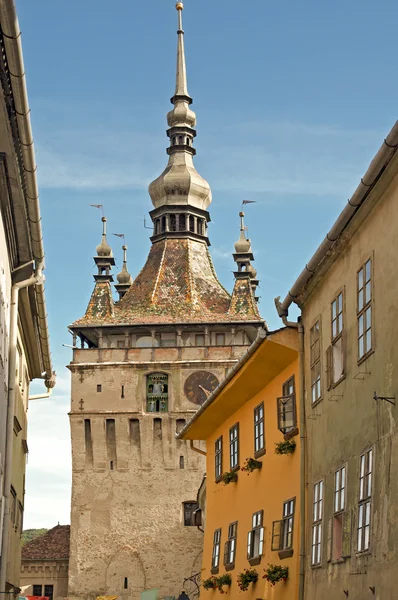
104 248
243 244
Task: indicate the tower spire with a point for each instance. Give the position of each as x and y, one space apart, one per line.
124 279
180 184
181 75
104 259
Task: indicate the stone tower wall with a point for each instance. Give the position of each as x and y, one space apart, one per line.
130 475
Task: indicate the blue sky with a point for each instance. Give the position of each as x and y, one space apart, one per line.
292 100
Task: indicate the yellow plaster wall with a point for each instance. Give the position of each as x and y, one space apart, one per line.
265 489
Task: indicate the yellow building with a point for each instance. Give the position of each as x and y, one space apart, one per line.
253 522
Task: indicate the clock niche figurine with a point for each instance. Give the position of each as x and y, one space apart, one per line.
199 385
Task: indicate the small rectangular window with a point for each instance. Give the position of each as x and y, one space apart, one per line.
286 406
99 388
255 539
122 393
49 591
364 309
335 353
287 524
230 546
220 339
189 510
199 339
341 522
37 590
234 446
259 437
13 507
365 500
317 513
215 560
218 458
182 462
315 362
126 583
120 343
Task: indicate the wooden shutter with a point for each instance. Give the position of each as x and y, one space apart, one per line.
329 547
343 347
249 544
197 517
347 533
276 535
329 367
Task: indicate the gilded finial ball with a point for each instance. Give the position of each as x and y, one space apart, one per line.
241 214
179 6
103 219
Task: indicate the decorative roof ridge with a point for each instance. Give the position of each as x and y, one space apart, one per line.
155 287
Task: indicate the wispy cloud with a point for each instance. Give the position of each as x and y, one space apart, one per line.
272 157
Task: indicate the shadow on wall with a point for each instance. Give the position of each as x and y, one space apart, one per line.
125 574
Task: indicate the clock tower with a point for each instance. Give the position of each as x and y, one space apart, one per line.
142 365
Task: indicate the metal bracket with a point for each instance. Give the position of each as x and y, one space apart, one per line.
390 399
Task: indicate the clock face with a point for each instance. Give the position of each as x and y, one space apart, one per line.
199 386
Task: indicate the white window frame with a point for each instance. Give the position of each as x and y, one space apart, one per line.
315 361
365 334
234 446
365 500
317 524
215 558
255 537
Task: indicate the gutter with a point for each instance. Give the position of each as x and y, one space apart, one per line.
375 170
25 151
261 335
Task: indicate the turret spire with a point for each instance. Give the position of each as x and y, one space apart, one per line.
244 255
104 259
181 76
124 279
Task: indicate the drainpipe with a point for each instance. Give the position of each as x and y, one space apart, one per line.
303 440
36 279
44 396
198 450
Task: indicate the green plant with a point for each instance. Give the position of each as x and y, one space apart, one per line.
245 578
223 580
251 464
286 447
275 573
210 583
229 476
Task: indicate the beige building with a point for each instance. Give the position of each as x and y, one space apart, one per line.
145 364
24 342
348 297
44 565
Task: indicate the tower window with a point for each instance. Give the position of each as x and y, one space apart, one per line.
180 139
157 395
122 394
126 583
163 224
220 339
182 465
189 512
182 223
99 388
191 224
200 226
173 224
174 140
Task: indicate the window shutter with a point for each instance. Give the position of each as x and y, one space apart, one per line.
226 552
329 540
197 517
276 535
249 544
347 531
329 367
343 347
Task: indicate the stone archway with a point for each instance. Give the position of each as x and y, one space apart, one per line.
125 575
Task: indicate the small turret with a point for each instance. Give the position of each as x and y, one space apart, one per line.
243 257
124 279
104 259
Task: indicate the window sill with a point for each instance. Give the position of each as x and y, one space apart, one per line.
364 553
313 404
338 561
218 479
234 469
334 385
288 553
290 434
230 567
361 360
254 561
318 566
214 570
259 453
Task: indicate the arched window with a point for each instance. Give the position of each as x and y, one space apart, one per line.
157 226
200 226
180 139
157 392
163 224
174 140
173 224
191 223
182 224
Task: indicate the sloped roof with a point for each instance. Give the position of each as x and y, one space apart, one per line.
178 284
53 545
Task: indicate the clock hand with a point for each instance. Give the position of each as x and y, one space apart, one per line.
207 392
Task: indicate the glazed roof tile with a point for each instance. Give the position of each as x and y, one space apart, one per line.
177 284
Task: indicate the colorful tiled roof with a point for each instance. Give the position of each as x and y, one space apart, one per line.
53 545
177 284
